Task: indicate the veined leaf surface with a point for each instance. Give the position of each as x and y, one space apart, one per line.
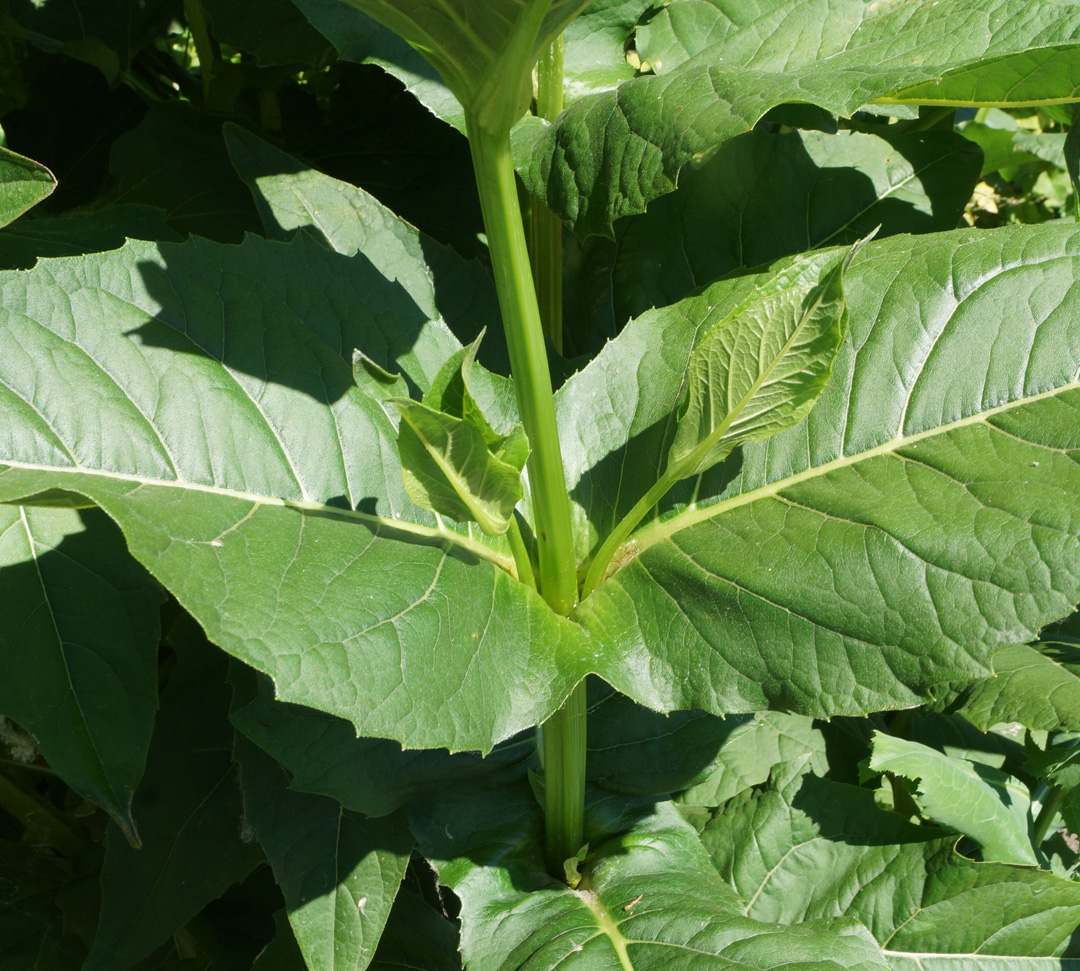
212 413
23 184
831 568
721 65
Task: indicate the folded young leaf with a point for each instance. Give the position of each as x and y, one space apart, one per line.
758 371
977 800
449 468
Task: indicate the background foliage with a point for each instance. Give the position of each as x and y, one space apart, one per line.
296 170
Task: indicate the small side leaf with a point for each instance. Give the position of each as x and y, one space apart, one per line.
979 801
759 370
23 184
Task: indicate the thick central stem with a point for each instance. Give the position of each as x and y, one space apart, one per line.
564 732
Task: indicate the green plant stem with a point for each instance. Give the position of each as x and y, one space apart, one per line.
522 561
629 522
564 732
564 781
204 46
1050 808
495 180
545 228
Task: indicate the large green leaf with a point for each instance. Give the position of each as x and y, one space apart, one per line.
977 800
648 898
190 815
23 183
925 514
813 849
291 196
1036 684
761 196
721 65
252 476
339 872
78 650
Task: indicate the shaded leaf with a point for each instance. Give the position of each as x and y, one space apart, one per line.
815 849
611 153
190 816
339 871
78 650
977 800
274 31
1035 684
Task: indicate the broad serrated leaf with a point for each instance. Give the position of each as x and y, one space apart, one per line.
817 849
758 371
719 71
23 184
648 897
263 488
983 803
292 196
78 650
831 569
1035 684
339 871
190 816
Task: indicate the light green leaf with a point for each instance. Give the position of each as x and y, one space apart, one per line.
814 849
78 650
449 468
925 514
189 811
759 370
977 800
612 153
1035 684
976 962
255 480
648 897
338 871
23 184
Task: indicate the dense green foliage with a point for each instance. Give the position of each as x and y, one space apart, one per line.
282 611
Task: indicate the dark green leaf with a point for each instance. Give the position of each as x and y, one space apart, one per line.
78 650
274 31
195 839
23 184
339 871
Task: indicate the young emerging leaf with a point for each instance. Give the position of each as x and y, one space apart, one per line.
759 371
484 49
453 462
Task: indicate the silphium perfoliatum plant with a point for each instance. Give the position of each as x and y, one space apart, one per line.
291 577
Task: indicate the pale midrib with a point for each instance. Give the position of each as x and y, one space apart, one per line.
608 926
302 505
658 532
